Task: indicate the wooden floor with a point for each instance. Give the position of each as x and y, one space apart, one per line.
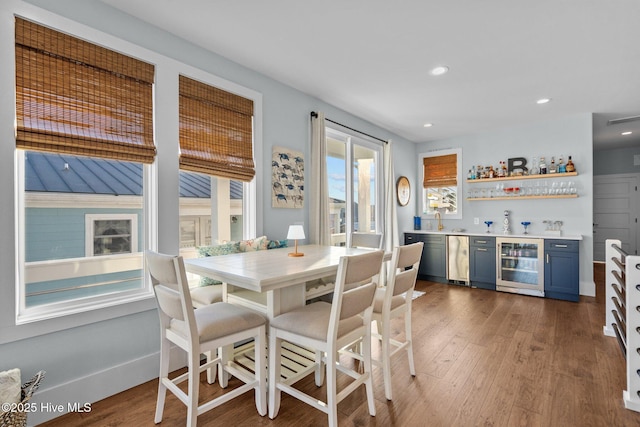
482 358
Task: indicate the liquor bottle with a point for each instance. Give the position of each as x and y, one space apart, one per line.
473 172
570 166
534 169
562 168
543 166
552 168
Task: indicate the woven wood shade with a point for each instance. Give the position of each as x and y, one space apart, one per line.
440 171
216 131
79 98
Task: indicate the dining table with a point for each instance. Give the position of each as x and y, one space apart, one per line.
272 282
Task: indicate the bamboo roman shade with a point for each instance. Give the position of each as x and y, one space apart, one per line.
216 131
79 98
440 171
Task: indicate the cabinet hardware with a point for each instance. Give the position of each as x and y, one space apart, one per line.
547 258
481 241
482 249
560 246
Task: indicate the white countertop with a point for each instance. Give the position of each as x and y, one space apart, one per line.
497 234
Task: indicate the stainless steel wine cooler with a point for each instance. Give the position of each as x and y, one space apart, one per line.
520 267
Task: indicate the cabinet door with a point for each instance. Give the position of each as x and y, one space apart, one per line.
562 270
483 267
433 261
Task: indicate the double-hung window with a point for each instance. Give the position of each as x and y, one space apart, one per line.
84 149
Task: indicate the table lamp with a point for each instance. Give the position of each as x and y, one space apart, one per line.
295 232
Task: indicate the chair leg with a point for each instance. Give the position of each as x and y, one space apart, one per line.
366 353
409 338
165 348
386 358
332 404
226 354
194 388
261 371
211 371
319 368
274 374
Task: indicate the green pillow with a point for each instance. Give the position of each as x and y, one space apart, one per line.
275 244
224 249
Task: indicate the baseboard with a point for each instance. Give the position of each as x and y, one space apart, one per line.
51 402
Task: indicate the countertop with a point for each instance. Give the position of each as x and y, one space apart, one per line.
497 234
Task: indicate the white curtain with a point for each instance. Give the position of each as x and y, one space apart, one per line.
390 219
319 188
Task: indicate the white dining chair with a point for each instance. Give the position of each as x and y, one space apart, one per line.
198 331
366 240
327 328
394 300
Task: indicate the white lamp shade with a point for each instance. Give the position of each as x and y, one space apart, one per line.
295 232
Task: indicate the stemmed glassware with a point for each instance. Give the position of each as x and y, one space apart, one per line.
488 223
525 224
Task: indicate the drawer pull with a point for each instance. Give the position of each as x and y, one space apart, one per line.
482 249
481 241
560 246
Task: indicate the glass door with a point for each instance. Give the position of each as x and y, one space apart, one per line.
519 265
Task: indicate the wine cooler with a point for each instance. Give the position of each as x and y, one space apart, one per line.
520 267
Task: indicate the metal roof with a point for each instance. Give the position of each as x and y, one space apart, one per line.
61 173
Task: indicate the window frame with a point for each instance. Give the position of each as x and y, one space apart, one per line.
459 177
89 230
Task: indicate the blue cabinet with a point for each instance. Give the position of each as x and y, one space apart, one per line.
562 269
433 265
482 262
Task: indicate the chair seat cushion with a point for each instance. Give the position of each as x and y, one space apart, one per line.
221 319
312 321
378 299
206 295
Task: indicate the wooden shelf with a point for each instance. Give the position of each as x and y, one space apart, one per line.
516 178
555 196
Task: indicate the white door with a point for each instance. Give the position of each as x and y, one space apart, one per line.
615 212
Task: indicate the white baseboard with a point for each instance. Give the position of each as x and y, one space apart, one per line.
51 402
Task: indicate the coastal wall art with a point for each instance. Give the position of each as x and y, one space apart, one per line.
287 178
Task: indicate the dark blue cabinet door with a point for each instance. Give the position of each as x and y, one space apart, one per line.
482 268
562 270
433 263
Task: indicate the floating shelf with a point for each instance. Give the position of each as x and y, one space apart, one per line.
516 178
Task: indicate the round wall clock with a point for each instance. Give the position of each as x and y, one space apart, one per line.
404 190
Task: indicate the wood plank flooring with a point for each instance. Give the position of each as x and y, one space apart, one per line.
482 358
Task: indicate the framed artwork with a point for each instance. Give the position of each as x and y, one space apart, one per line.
403 190
287 178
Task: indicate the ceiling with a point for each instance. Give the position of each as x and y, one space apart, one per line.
373 58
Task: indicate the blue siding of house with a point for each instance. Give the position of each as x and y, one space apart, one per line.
59 233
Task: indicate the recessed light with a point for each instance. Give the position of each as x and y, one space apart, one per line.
440 70
428 125
543 100
627 133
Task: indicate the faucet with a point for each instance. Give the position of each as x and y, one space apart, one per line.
439 218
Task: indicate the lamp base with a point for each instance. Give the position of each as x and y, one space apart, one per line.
296 254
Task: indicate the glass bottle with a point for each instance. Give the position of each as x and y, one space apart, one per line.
562 168
570 166
535 170
543 166
552 167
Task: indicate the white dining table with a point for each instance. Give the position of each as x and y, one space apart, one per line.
271 280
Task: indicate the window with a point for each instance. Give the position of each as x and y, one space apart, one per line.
354 168
84 149
111 234
441 182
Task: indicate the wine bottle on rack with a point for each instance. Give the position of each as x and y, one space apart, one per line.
543 166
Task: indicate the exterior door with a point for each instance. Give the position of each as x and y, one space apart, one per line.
615 212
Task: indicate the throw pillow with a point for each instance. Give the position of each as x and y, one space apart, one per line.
275 244
10 386
257 244
224 249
